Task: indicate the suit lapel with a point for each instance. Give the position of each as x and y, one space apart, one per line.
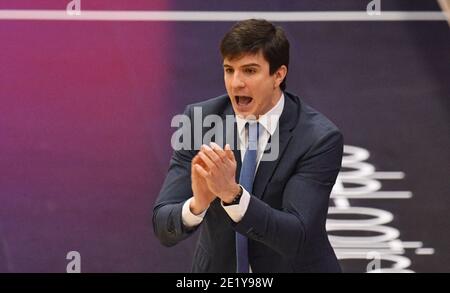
266 168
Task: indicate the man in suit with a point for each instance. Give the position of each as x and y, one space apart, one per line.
255 214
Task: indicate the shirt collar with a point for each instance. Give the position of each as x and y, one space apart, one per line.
269 120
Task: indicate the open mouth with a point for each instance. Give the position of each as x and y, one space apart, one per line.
243 100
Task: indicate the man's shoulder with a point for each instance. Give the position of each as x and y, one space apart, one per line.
312 122
216 105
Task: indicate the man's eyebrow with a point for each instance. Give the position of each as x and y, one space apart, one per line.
245 65
251 64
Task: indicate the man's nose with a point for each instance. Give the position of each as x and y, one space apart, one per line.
237 81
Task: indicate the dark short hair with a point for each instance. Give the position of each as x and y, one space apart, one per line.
254 35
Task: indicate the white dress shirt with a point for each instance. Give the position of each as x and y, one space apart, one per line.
269 122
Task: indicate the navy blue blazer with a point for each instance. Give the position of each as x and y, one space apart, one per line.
285 219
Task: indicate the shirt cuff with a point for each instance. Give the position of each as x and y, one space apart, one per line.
189 219
237 211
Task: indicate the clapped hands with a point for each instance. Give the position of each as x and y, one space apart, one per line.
213 174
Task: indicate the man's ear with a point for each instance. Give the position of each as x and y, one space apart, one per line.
280 74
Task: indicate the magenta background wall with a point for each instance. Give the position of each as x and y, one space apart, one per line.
84 139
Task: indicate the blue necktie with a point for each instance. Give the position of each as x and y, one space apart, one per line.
246 180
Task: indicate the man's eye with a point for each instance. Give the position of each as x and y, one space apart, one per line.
228 70
249 70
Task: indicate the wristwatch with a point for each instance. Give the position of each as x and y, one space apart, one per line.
236 199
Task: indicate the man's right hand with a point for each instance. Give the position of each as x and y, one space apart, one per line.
202 195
